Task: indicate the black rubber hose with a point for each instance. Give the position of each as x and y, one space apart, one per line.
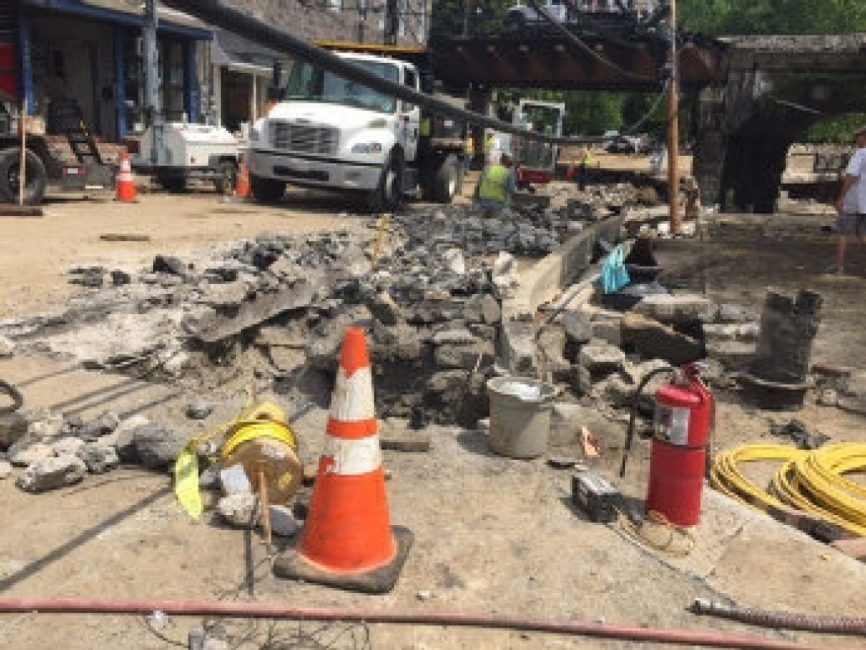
15 394
629 436
786 620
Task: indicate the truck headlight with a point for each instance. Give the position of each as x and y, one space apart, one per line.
367 147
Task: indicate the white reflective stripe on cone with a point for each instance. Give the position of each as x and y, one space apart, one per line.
353 457
352 399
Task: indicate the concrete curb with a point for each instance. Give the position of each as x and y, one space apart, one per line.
541 284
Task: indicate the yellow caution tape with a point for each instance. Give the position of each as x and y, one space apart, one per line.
809 481
259 420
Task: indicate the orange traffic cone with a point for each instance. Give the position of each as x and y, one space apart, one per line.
348 541
126 192
243 190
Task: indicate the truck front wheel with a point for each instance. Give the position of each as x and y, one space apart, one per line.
448 180
389 194
267 190
35 176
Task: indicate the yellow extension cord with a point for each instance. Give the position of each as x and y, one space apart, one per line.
809 481
257 420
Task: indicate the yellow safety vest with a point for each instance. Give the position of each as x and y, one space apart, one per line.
587 158
494 183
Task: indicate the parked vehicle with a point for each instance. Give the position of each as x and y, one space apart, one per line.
330 132
536 161
520 16
46 167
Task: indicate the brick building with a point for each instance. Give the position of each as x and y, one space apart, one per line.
242 70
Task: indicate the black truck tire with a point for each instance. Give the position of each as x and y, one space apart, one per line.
36 177
388 196
173 183
228 178
267 190
448 180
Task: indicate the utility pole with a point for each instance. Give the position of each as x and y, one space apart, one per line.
673 129
152 105
392 22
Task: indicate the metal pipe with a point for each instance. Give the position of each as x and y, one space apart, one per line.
787 620
676 220
216 13
456 619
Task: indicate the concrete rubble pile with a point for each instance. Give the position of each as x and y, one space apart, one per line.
53 451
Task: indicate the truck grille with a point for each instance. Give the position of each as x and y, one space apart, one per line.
303 138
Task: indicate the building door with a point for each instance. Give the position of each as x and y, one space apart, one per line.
237 92
71 76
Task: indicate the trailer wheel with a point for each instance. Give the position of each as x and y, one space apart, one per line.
388 196
267 190
448 181
173 184
35 180
228 177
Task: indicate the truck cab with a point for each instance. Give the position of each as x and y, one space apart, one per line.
331 132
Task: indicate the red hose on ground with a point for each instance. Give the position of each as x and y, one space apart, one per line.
261 610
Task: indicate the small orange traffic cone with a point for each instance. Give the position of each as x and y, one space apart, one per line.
243 190
126 192
348 541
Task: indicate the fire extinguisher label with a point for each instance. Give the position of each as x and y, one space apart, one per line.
672 424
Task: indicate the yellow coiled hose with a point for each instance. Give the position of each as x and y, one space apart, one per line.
809 481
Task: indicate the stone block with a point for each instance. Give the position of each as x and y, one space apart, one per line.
98 457
654 340
26 452
467 356
679 309
52 473
241 510
491 312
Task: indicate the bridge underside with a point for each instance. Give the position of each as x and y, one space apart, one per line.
554 62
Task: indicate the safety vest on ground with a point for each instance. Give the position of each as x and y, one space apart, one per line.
494 183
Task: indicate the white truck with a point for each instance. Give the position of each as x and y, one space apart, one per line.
329 132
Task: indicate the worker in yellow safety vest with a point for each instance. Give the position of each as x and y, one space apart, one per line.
586 161
468 153
496 186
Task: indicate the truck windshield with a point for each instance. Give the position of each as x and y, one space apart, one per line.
311 83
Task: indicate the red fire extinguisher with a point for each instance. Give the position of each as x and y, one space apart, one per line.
682 424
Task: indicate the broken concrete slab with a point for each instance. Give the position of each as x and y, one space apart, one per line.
491 312
52 473
464 355
6 470
98 457
199 409
654 340
214 326
156 446
26 452
7 347
385 309
168 264
678 309
283 522
241 509
68 446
